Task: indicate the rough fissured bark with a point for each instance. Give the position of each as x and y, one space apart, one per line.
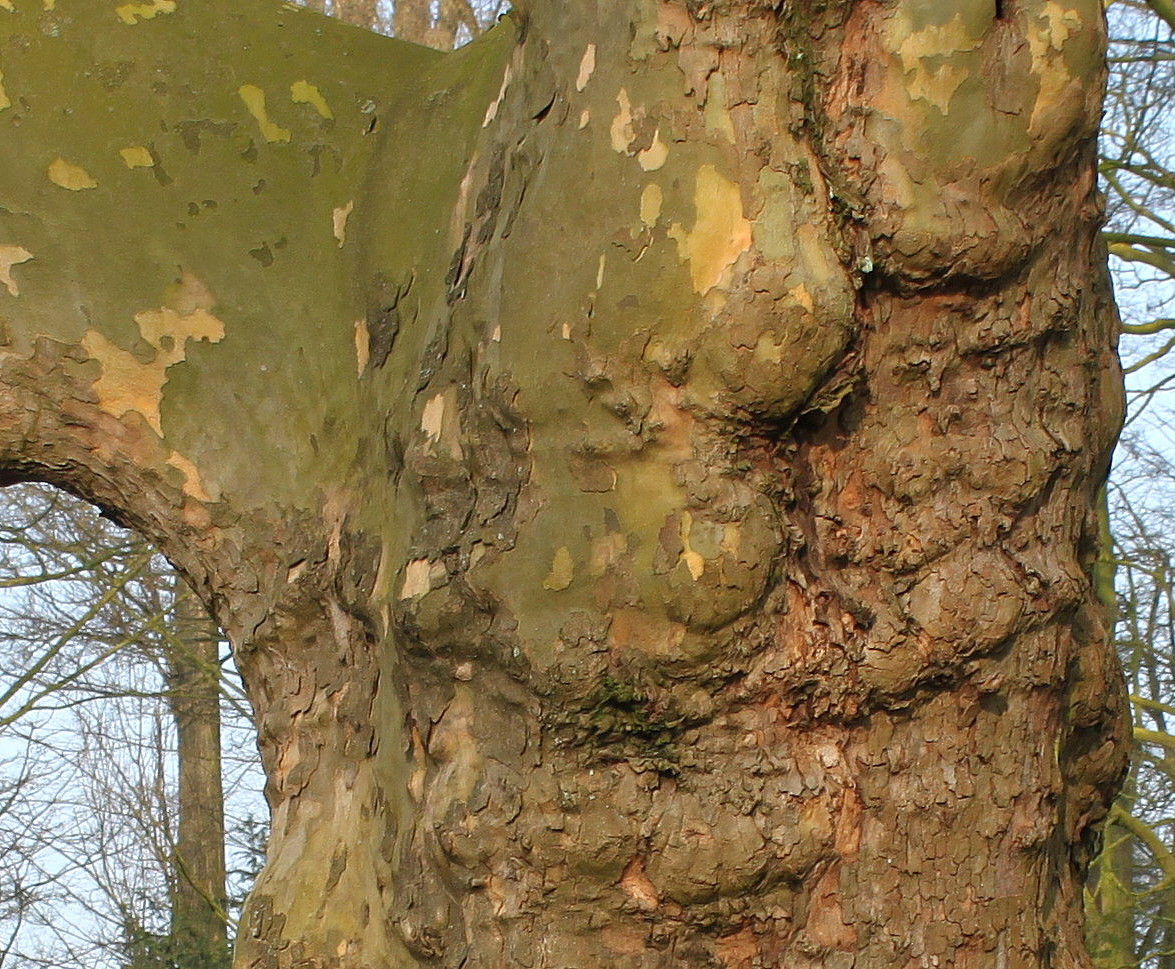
644 461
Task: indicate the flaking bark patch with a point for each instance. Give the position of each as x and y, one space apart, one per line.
69 176
12 256
126 382
720 233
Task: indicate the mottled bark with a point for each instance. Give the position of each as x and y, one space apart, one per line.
644 461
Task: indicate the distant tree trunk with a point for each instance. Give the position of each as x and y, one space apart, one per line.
199 927
644 461
1110 906
1110 913
412 21
361 13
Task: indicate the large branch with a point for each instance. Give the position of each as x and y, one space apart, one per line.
195 200
178 210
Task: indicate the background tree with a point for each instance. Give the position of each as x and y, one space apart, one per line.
100 851
1132 908
443 24
1130 904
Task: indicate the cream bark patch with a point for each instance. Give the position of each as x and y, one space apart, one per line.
4 102
1059 24
938 87
70 176
254 99
12 256
937 41
362 346
1054 26
651 201
930 77
132 13
339 219
417 579
655 156
799 294
587 67
693 560
562 571
492 110
432 418
136 156
192 485
622 132
126 383
720 234
303 92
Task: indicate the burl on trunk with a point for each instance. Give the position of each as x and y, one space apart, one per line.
644 461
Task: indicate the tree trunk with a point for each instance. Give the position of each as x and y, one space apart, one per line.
412 21
644 461
1110 928
199 904
361 13
1111 896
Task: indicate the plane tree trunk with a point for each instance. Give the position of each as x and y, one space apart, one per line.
644 461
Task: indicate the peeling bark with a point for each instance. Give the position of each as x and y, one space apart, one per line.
646 471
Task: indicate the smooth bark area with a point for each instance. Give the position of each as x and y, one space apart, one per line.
644 461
